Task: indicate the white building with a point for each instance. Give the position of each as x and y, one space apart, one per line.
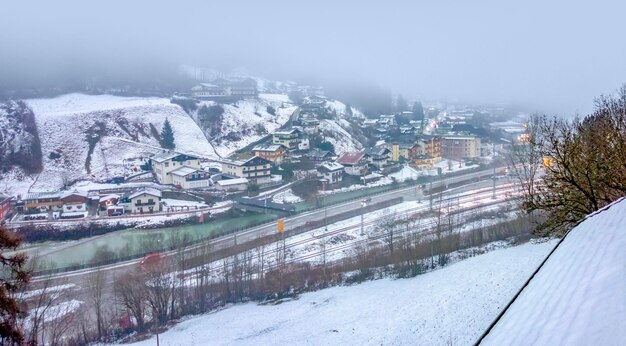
189 178
256 169
145 201
231 185
330 172
166 162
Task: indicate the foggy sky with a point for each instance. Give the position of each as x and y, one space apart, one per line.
552 56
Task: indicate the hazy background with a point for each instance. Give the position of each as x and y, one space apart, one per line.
548 55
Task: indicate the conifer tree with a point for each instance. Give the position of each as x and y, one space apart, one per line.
167 136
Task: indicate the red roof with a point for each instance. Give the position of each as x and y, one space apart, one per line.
350 158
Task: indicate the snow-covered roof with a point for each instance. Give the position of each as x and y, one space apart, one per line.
37 195
164 156
75 192
183 171
147 191
330 166
578 297
228 182
268 147
107 197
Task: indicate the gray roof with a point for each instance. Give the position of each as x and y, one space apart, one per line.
147 191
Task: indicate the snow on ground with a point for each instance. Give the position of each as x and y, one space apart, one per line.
247 121
452 305
341 139
178 204
286 196
50 290
53 312
340 108
579 296
65 122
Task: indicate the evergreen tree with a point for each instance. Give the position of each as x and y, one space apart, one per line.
349 113
401 104
167 135
418 110
14 277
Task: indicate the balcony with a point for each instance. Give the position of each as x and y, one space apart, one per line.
140 204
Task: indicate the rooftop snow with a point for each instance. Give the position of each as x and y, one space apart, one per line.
183 171
579 296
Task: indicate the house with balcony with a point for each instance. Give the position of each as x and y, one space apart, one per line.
42 202
460 147
207 91
255 169
145 201
354 163
330 172
318 155
272 152
288 138
74 205
190 178
377 156
165 163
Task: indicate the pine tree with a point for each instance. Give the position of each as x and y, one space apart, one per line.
418 110
13 279
167 135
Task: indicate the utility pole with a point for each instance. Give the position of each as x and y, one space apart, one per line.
363 205
493 195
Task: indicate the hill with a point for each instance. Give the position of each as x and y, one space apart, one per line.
449 306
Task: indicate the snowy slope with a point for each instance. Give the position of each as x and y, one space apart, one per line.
452 305
66 121
579 296
335 133
247 121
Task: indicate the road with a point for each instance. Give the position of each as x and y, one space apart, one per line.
80 278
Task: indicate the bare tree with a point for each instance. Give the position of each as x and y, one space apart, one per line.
96 282
132 292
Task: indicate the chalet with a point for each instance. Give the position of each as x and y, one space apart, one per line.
189 178
318 155
207 90
232 185
166 162
387 120
272 152
5 207
145 201
370 122
74 204
330 172
42 202
313 104
377 156
309 125
255 169
289 138
354 163
246 88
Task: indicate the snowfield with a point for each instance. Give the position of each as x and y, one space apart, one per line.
453 305
121 128
579 296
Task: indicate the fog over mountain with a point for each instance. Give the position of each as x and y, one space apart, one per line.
551 56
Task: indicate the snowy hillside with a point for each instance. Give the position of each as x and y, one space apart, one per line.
450 306
243 122
89 137
579 296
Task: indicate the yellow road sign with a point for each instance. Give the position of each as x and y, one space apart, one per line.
281 226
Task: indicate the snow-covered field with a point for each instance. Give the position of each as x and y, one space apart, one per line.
65 122
286 196
453 305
